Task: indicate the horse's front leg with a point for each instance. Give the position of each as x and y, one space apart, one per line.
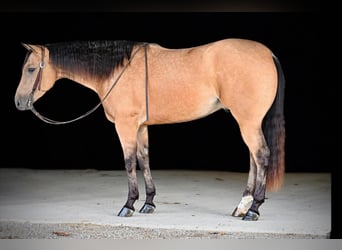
128 138
143 158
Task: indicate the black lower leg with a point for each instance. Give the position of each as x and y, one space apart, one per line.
133 192
258 198
255 205
149 205
150 189
150 196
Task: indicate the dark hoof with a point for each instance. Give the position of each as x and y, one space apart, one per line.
147 209
251 216
126 212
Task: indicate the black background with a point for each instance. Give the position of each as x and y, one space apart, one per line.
292 29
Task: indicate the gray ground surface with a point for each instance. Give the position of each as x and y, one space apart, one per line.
82 204
26 230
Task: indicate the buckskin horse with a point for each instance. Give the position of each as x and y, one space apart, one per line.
140 84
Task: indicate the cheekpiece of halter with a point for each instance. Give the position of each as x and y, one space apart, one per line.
37 82
39 75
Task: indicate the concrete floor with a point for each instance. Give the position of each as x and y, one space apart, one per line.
185 200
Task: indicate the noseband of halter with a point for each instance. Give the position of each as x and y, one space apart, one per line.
37 84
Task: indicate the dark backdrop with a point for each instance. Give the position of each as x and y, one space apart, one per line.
211 143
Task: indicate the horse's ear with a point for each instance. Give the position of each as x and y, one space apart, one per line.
34 48
26 46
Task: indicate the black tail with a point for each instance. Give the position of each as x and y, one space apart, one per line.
274 131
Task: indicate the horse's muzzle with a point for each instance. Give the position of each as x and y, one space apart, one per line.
23 102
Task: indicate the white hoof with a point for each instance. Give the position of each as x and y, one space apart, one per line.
242 209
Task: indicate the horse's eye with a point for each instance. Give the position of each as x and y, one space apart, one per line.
31 70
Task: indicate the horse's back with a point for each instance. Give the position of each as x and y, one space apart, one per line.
232 56
189 83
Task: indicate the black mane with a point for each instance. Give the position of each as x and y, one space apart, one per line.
96 59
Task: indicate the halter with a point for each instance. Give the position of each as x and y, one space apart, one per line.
37 84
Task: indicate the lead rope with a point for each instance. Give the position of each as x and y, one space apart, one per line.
50 121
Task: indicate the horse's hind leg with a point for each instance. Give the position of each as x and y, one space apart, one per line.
143 159
260 153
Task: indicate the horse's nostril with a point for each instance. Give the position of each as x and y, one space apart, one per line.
18 104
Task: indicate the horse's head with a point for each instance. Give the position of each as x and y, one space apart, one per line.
38 76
